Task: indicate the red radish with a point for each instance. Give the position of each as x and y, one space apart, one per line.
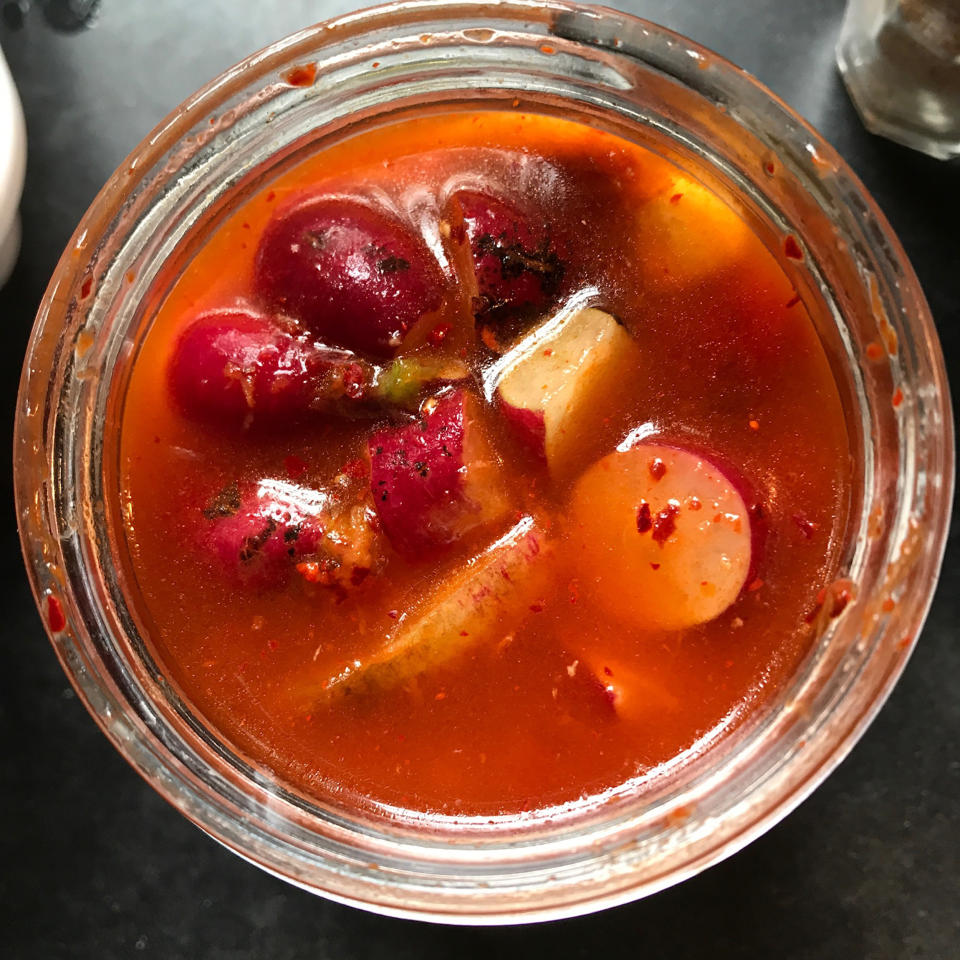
263 534
664 533
461 613
517 266
233 365
554 385
435 479
352 274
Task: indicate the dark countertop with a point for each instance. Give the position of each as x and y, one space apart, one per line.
94 864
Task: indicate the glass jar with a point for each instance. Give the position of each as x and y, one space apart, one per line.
613 71
900 60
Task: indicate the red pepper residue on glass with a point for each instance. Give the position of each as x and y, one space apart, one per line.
791 248
56 620
302 75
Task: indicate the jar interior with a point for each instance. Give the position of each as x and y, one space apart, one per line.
740 194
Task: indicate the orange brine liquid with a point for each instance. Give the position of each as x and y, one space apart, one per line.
560 668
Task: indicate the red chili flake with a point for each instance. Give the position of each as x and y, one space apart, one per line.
840 602
769 168
536 607
548 352
356 469
755 585
791 248
793 301
463 633
547 49
807 527
86 287
309 570
657 468
694 504
439 333
665 523
489 339
754 424
644 518
840 597
302 75
608 671
678 816
375 64
874 351
393 614
272 645
271 196
515 103
897 397
294 466
130 276
354 381
904 643
55 618
654 566
888 605
675 199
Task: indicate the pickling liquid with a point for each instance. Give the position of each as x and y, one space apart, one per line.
564 691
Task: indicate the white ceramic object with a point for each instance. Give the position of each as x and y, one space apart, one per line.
13 161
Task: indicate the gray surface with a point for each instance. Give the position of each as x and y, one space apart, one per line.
94 864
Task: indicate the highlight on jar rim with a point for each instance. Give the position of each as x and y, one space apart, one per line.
543 501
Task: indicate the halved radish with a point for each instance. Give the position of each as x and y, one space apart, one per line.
436 479
461 613
663 535
515 261
554 386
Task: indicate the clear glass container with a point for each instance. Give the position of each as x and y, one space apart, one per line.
900 60
615 72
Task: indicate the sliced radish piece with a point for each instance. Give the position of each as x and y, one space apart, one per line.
663 534
437 479
516 264
463 612
554 386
